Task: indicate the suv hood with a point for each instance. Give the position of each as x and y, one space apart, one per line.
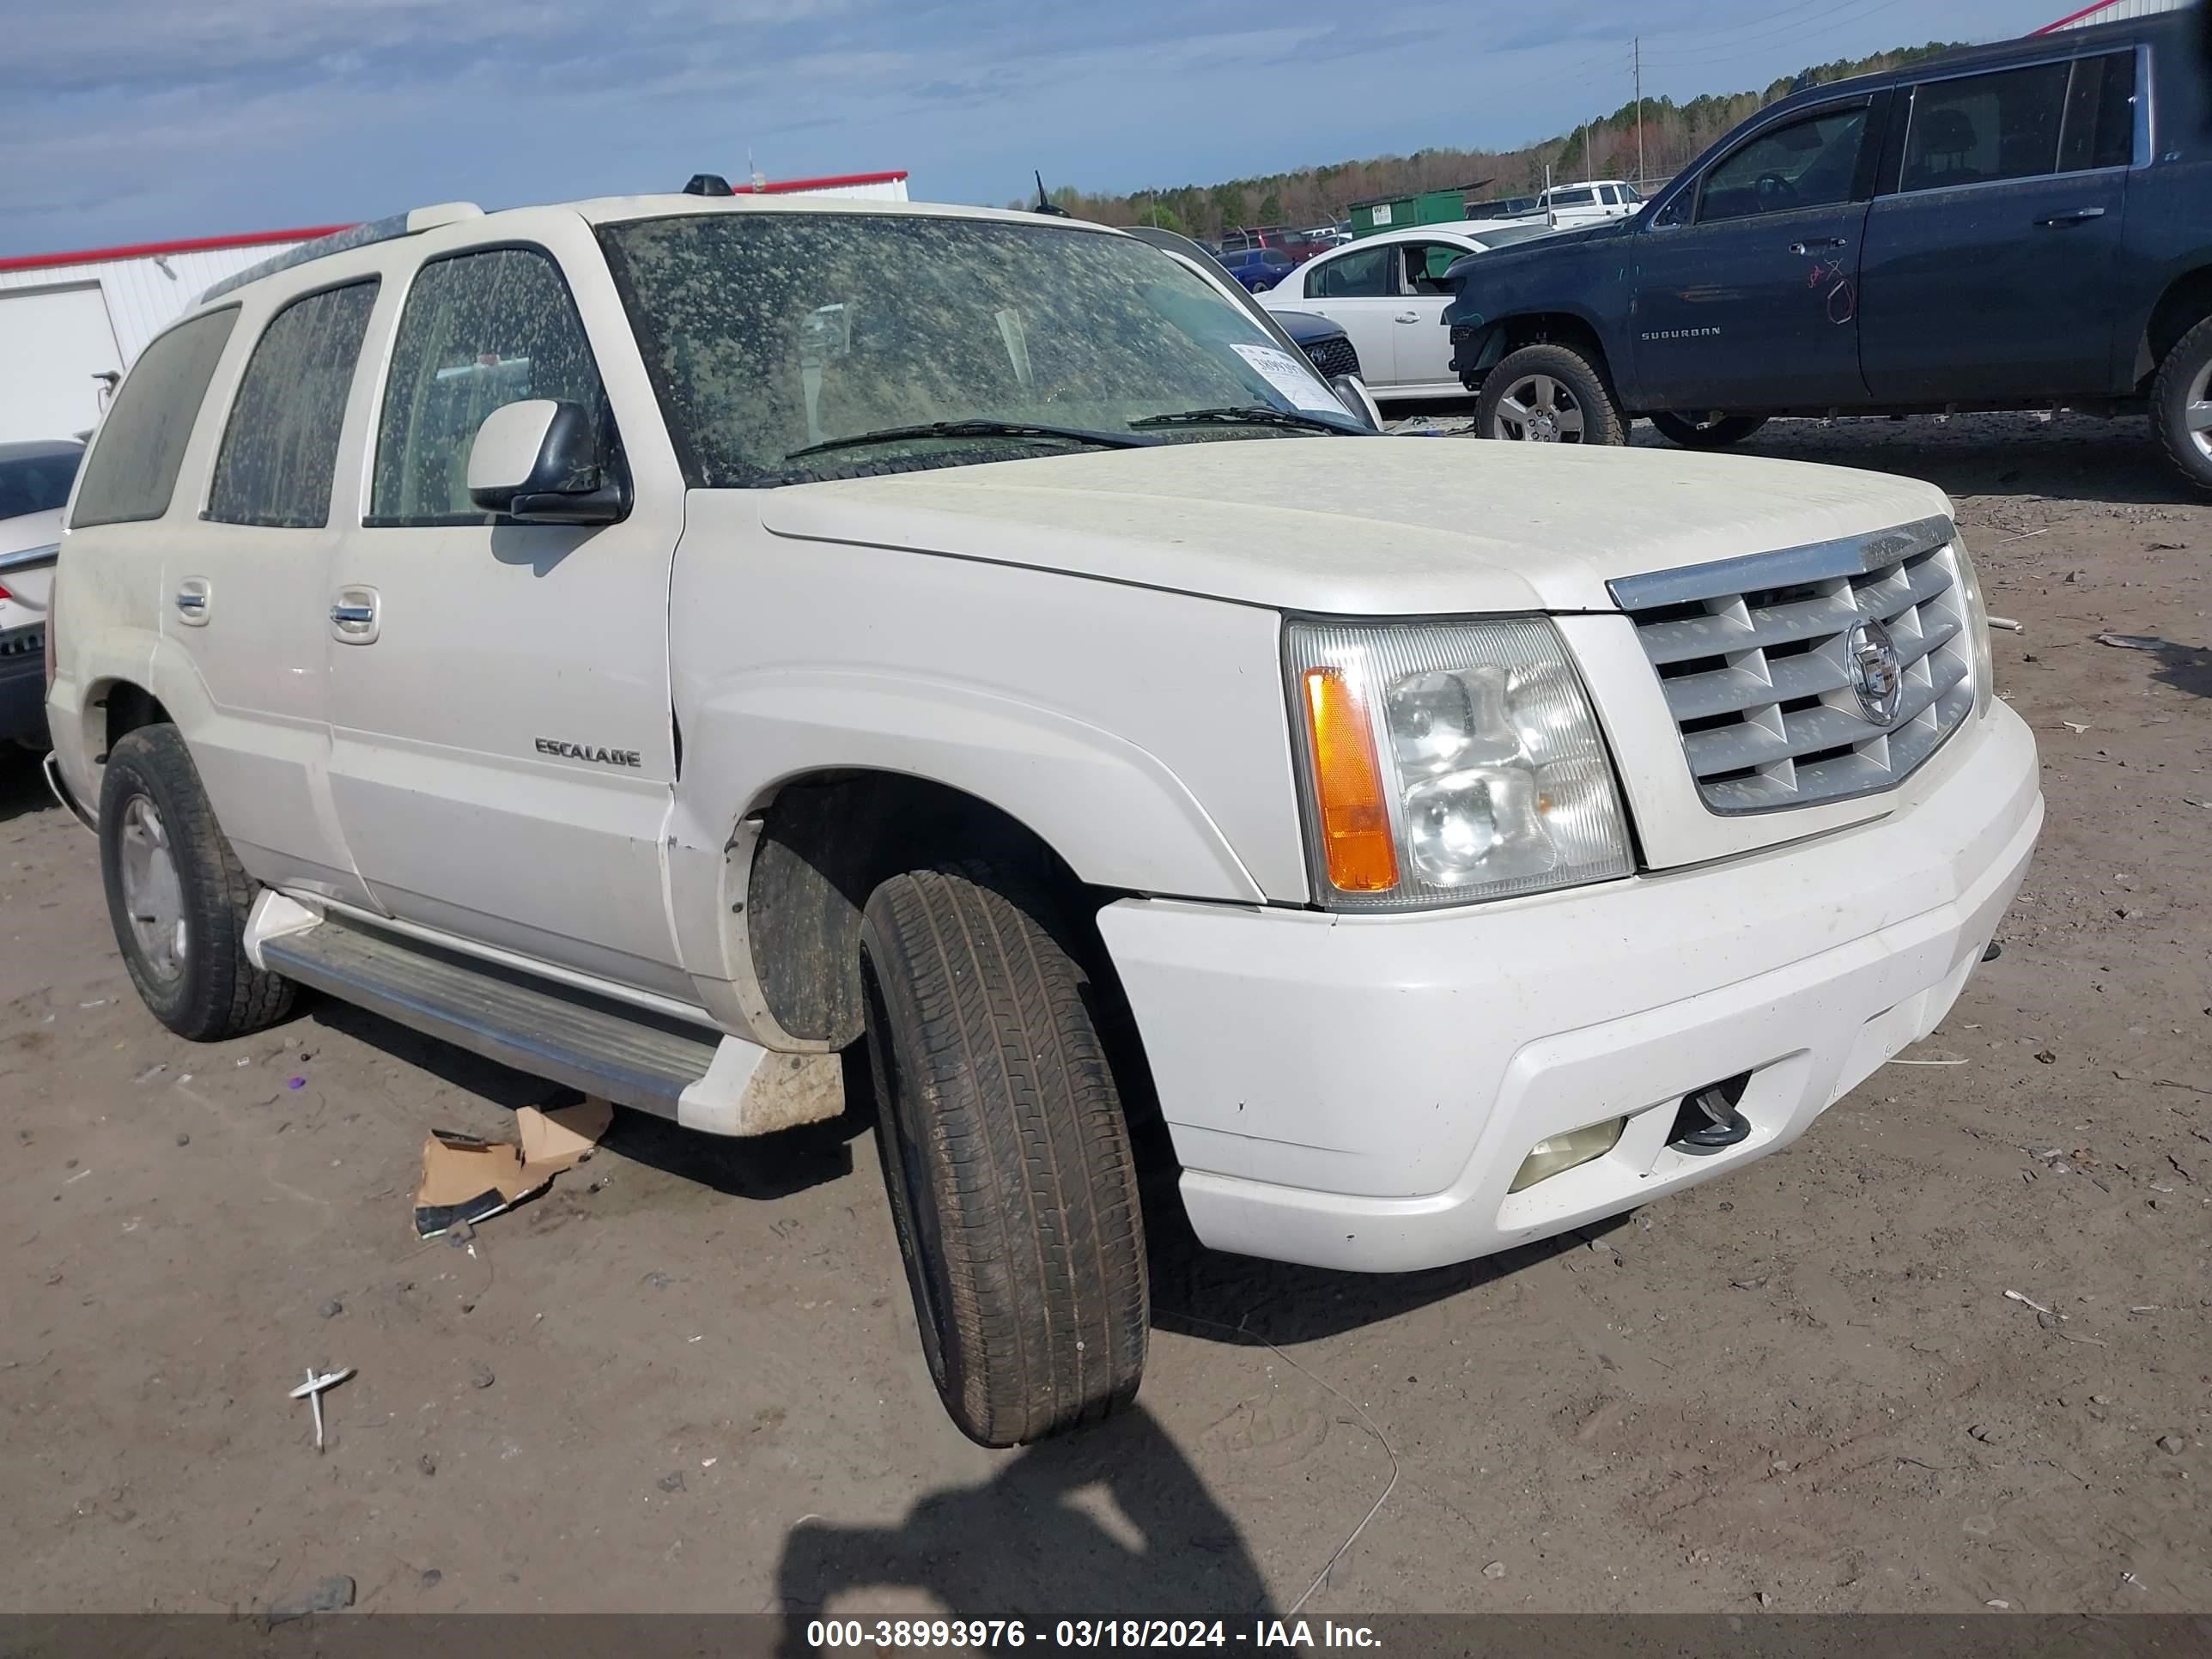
1396 527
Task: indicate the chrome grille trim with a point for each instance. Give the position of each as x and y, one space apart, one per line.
1752 656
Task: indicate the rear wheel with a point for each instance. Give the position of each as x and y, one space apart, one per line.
1549 393
1717 432
1006 1154
2181 405
177 895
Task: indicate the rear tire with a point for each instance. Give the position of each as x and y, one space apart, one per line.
1693 433
177 895
1006 1155
1549 393
2181 405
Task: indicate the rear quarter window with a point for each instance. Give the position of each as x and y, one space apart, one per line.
132 470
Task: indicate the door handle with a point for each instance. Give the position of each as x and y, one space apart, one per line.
1813 243
355 614
2077 216
1406 316
192 599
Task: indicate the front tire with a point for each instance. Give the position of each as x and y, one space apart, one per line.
2181 405
1693 433
1549 393
1006 1153
177 895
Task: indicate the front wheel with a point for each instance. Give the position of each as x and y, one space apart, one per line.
177 895
2181 405
1549 393
1717 432
1012 1187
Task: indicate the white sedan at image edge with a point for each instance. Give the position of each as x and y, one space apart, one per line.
1388 295
34 486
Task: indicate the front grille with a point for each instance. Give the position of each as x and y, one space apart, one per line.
22 643
1333 357
1758 659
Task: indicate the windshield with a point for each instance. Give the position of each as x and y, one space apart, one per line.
768 334
36 484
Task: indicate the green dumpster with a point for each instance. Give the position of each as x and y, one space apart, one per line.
1428 207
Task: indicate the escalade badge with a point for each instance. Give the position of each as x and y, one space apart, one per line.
1876 676
585 751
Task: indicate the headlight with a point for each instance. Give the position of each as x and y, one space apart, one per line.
1448 762
1978 626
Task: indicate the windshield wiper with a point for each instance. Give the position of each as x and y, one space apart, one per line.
1244 414
973 428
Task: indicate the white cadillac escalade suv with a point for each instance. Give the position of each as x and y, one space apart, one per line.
659 642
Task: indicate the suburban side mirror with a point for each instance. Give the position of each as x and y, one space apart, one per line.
539 462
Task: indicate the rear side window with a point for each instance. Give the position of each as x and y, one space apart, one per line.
480 330
132 471
1362 275
2100 116
1978 129
36 484
280 450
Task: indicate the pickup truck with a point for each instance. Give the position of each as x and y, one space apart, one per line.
1593 201
662 642
2021 226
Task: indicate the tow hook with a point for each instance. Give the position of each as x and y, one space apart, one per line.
1708 1121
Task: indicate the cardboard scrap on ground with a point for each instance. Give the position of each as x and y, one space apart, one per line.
468 1179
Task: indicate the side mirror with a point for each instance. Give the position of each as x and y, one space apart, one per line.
1352 392
538 462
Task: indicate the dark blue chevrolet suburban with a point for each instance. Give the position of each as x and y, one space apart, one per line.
2020 226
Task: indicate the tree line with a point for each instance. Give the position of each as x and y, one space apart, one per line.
1673 135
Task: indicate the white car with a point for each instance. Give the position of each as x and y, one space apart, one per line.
1388 291
662 642
34 483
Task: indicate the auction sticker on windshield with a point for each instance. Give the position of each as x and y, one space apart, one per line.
1290 377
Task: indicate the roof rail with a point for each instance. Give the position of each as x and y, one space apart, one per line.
410 223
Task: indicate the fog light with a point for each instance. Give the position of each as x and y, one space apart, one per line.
1555 1154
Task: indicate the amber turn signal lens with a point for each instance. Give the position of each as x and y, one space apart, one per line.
1355 818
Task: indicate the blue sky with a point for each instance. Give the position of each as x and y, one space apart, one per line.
128 120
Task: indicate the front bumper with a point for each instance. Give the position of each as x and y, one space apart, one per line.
1358 1092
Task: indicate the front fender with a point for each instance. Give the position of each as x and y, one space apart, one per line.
1115 812
1143 735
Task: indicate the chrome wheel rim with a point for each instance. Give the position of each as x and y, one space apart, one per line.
153 894
1538 409
2197 411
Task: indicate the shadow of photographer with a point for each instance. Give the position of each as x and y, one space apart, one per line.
1110 1523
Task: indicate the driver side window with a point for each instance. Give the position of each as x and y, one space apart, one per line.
480 330
1808 162
1425 264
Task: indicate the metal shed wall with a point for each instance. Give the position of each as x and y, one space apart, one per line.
144 291
2110 11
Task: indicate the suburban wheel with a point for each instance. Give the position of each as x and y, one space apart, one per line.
2181 404
1692 432
1007 1157
176 894
1549 394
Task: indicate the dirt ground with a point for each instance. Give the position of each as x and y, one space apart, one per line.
687 1378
